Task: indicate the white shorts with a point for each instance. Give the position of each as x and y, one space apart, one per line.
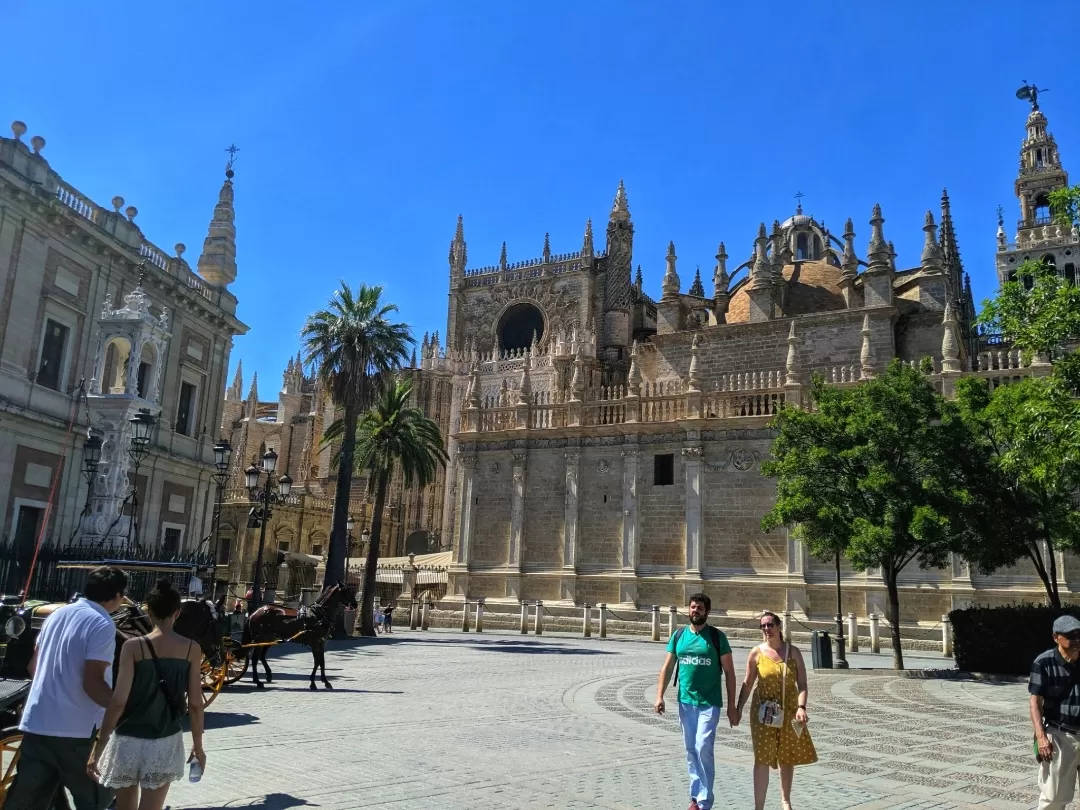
138 762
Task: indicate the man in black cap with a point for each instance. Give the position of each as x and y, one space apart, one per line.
1055 714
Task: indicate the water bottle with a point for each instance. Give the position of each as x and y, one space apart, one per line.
195 771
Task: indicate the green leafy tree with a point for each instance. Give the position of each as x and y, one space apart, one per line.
1030 430
1038 313
1065 205
881 472
389 436
354 344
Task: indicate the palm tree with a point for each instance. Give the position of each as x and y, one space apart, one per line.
393 433
354 346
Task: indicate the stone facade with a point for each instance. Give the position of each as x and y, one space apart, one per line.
97 323
606 446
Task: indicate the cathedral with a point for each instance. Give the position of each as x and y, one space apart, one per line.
605 444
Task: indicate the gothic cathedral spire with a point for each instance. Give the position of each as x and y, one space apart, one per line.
617 275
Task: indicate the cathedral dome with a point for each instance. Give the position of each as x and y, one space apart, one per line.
812 286
797 220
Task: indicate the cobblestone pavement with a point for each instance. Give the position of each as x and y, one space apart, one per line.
448 721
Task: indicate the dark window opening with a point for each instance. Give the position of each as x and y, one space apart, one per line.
1050 261
1042 210
519 325
143 379
1029 281
664 470
605 499
184 413
316 549
170 541
802 250
52 354
224 551
283 546
1070 273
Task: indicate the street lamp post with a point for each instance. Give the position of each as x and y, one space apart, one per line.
350 541
265 499
91 458
841 659
222 459
142 424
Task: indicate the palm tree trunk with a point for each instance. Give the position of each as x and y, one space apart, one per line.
367 604
335 554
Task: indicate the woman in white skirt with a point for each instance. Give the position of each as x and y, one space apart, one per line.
140 751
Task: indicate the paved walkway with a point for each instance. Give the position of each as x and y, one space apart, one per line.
447 721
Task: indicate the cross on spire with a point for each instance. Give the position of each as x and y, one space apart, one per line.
232 150
798 201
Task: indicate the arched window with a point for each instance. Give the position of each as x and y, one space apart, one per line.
819 250
1050 261
1042 209
802 250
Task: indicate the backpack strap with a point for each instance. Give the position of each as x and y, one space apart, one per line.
675 638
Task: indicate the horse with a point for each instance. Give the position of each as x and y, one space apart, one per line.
310 626
200 620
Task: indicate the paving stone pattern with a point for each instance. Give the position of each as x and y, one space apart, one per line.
448 721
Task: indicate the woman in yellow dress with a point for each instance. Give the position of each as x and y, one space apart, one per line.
778 710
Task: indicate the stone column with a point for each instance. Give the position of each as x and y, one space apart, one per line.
517 510
695 552
467 500
570 516
630 514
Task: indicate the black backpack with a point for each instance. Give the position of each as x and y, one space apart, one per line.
712 636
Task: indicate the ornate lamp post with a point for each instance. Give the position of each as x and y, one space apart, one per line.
91 459
841 659
350 543
222 459
264 499
142 425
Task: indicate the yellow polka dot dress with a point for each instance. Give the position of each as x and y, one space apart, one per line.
778 746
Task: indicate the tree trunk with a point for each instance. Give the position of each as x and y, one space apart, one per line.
893 616
335 554
1049 579
367 604
1055 597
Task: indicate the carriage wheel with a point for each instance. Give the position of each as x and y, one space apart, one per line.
237 659
9 757
213 679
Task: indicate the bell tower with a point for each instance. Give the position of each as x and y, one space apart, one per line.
1038 236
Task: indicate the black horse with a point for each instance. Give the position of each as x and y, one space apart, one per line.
310 626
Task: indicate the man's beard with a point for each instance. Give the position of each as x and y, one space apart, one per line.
698 619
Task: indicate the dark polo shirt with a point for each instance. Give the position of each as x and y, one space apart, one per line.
1057 682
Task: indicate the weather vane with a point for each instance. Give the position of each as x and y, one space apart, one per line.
1030 92
1001 214
232 150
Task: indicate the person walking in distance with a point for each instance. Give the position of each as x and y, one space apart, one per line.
1054 687
141 746
698 654
778 712
72 684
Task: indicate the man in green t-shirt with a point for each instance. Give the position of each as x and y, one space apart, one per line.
700 652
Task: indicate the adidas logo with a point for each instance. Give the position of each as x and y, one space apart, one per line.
696 660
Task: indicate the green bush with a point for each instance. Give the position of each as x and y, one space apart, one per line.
1003 640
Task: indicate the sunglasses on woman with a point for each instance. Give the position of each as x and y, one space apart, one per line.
768 625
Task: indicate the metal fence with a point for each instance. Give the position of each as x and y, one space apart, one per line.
55 584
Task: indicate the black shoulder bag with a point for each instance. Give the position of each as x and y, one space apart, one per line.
175 709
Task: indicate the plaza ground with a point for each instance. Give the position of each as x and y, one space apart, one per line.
448 721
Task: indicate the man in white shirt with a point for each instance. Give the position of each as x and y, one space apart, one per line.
72 685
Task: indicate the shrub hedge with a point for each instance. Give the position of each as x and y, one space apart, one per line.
1003 640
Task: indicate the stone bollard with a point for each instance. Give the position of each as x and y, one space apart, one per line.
586 622
853 632
655 622
672 620
603 620
465 617
414 616
524 617
538 624
479 615
946 637
875 634
425 616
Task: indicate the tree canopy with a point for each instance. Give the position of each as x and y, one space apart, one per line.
882 471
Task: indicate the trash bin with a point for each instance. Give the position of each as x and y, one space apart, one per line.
821 650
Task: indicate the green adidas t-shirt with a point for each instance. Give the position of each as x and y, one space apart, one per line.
700 674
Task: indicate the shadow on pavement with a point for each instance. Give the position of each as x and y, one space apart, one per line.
228 719
272 801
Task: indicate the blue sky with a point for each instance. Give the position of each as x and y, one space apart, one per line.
365 128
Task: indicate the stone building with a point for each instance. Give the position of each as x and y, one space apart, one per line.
96 324
606 445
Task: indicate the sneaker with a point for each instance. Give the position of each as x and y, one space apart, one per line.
693 805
